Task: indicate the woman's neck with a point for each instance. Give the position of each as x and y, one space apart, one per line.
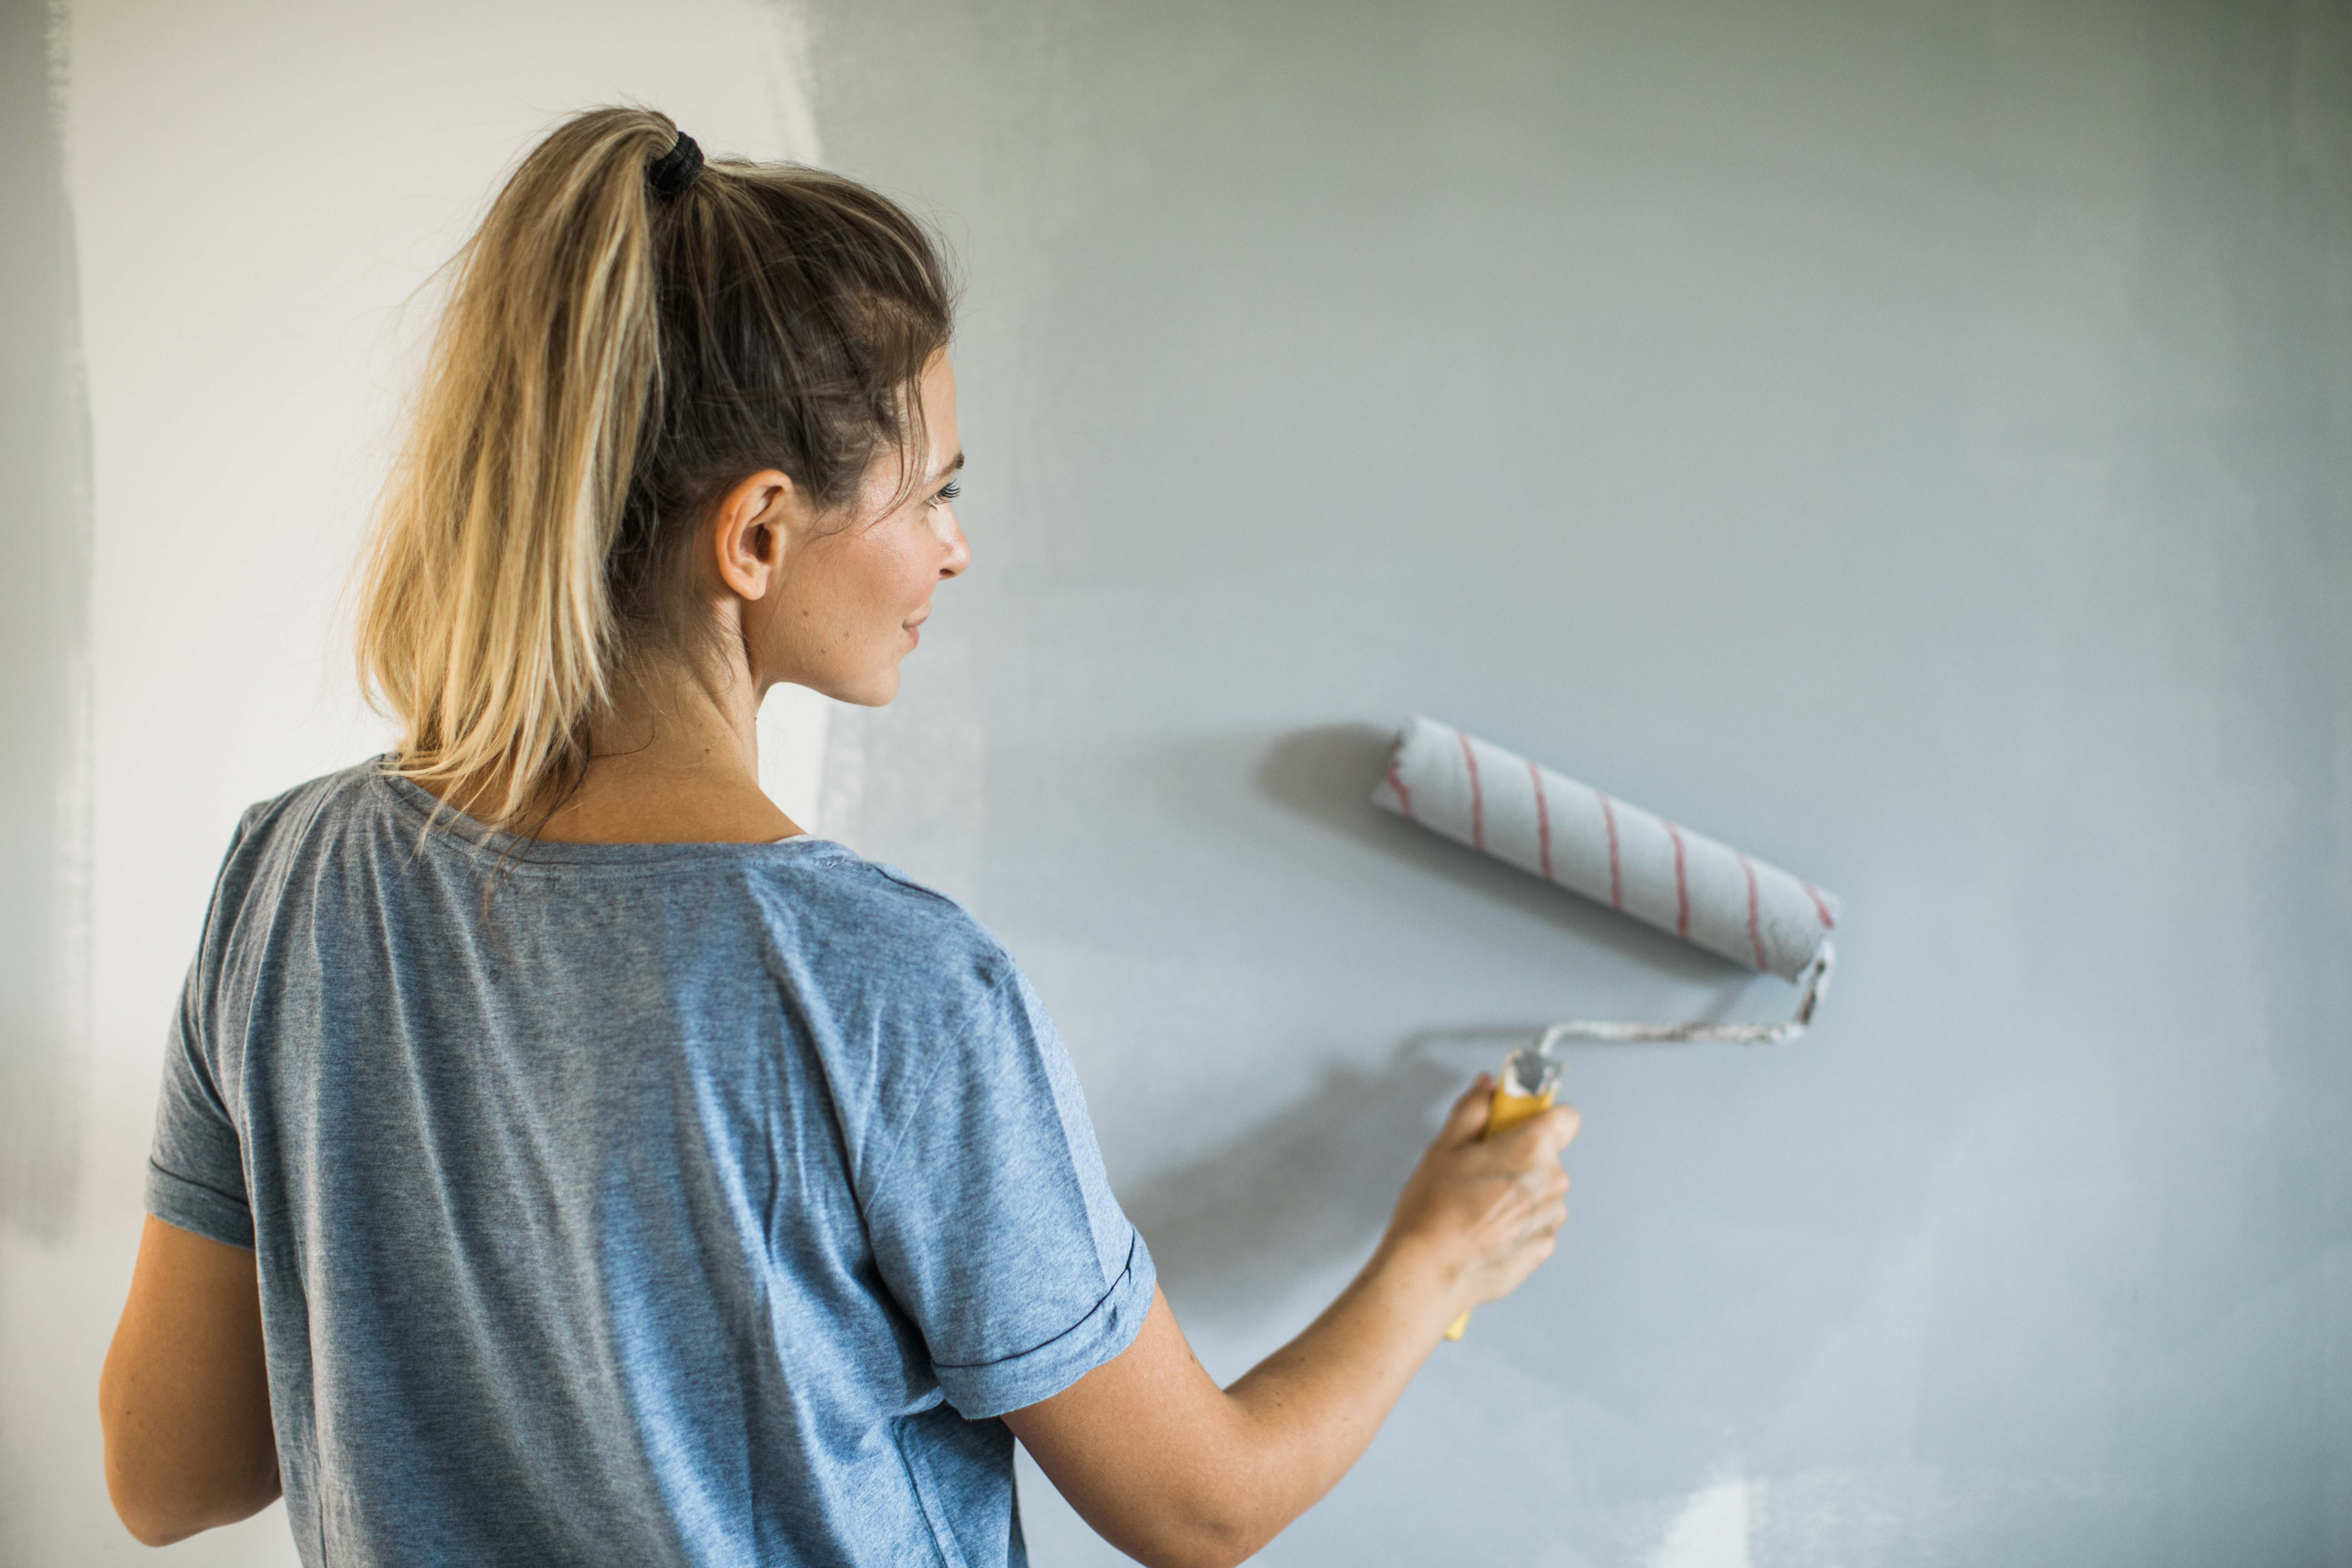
676 762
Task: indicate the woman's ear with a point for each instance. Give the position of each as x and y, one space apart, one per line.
752 529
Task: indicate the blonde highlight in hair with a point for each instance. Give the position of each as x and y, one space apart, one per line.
609 361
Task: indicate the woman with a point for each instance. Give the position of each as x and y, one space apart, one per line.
564 1159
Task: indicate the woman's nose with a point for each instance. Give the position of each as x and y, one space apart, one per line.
958 555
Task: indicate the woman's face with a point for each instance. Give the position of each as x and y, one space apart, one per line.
849 598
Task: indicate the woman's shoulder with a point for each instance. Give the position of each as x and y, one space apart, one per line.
279 825
825 894
346 786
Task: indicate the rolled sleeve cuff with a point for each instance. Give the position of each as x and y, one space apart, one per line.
991 1388
209 1213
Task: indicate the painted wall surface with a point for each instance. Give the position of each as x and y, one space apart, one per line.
1912 443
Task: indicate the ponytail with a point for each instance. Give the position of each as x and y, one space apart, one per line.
610 361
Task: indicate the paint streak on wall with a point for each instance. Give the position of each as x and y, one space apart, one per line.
1711 1531
44 627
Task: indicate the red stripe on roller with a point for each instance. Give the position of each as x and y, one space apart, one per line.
1681 886
1616 877
1404 795
1477 795
1820 905
1543 820
1755 935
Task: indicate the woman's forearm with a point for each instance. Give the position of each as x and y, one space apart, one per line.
1308 1411
183 1397
1174 1471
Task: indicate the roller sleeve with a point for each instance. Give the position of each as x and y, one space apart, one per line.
1570 834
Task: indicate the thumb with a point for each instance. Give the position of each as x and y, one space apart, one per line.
1467 1119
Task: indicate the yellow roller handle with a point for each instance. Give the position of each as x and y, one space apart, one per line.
1505 1111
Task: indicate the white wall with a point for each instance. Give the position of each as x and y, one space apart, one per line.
255 191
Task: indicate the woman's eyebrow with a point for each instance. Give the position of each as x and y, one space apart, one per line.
943 473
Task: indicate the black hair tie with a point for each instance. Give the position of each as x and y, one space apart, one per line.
676 169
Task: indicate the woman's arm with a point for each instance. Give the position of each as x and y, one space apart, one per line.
184 1397
1176 1472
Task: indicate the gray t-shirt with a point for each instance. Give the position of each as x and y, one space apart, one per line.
696 1204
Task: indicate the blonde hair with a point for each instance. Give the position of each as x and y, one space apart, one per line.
609 361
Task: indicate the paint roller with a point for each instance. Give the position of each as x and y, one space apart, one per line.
1576 837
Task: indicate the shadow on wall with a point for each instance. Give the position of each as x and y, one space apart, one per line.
1310 1187
1307 1189
1326 773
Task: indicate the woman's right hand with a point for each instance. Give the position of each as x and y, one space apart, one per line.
1477 1216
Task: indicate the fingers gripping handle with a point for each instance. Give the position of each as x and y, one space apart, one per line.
1530 1078
1526 1090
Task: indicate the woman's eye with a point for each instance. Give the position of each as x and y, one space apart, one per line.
949 492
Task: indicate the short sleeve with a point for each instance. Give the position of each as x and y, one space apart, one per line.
195 1172
993 1220
195 1176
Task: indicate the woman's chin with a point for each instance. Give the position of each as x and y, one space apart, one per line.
873 691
